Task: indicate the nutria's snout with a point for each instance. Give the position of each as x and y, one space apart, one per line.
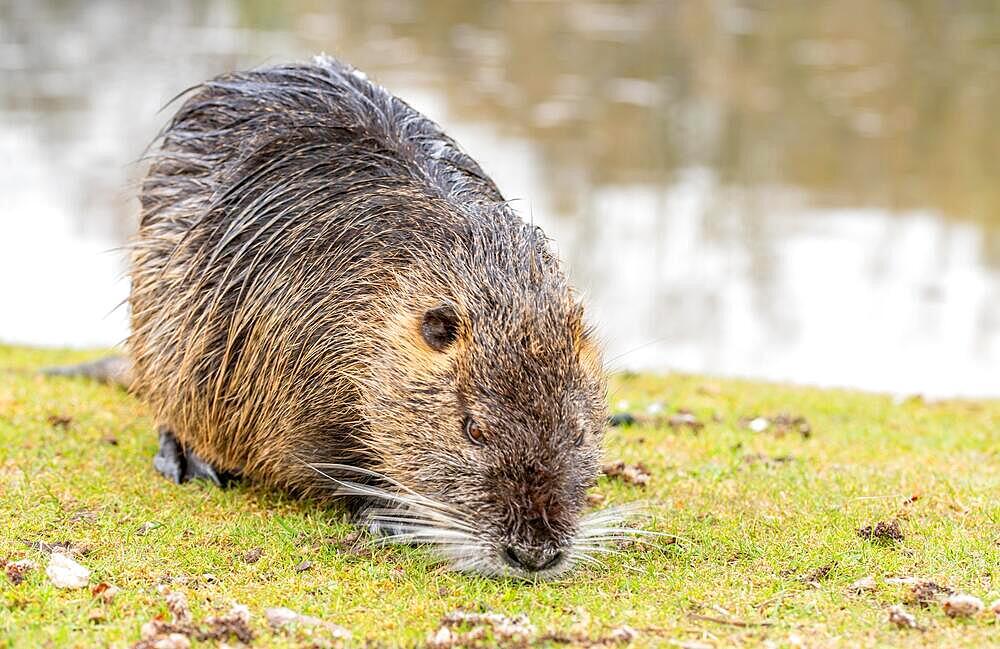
533 560
474 536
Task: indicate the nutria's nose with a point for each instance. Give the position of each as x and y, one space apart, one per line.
533 560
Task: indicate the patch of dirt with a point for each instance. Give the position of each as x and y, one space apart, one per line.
767 460
17 571
470 629
922 592
64 547
618 636
234 623
83 516
817 574
885 532
487 630
59 421
636 474
160 634
685 419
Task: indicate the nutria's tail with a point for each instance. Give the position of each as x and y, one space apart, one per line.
116 370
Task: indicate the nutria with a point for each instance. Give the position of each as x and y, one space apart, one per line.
330 297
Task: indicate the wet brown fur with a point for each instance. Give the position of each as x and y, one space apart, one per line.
297 222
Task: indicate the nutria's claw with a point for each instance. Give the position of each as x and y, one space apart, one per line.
178 465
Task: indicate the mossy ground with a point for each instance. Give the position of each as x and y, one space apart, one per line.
767 541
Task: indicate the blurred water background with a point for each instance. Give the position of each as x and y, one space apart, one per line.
802 191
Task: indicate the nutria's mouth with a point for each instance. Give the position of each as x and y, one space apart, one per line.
400 515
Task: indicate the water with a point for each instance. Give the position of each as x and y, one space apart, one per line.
793 191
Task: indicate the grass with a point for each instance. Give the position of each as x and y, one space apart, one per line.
768 540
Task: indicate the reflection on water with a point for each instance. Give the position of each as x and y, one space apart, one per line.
804 191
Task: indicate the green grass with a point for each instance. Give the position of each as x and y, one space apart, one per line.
751 532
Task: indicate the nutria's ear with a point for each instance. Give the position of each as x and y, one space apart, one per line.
439 327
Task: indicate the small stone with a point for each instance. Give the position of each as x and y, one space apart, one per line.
105 592
685 419
902 619
636 474
758 424
240 612
253 556
305 565
962 605
442 639
280 616
863 585
621 419
66 573
149 630
177 604
172 641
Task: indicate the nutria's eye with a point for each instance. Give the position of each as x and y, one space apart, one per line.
440 327
474 432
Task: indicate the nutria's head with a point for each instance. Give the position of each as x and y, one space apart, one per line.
487 404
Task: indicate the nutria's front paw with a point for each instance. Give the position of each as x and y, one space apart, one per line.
179 465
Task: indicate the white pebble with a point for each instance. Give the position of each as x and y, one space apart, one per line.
66 573
963 605
240 612
758 425
280 616
865 584
443 638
